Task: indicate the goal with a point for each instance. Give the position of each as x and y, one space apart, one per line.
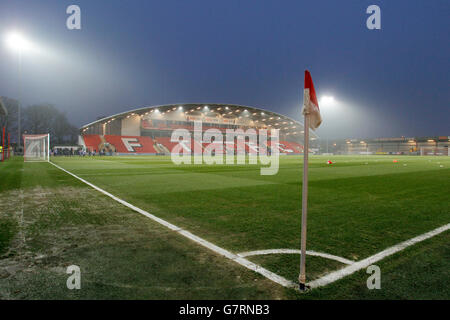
36 147
435 151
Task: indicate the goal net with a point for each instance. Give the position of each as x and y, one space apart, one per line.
435 151
36 147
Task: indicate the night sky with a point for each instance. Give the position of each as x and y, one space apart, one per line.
388 83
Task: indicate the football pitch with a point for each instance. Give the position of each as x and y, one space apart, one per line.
359 206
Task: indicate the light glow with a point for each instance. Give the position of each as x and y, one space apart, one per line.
18 42
327 101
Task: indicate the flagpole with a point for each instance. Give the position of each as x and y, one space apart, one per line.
302 276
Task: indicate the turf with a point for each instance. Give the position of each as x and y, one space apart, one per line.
358 206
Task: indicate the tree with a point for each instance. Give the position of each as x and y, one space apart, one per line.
46 118
11 121
38 119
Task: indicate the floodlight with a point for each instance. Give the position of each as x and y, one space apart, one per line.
17 42
327 100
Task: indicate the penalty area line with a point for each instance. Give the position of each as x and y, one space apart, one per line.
223 252
346 271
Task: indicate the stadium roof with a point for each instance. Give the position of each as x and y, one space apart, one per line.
260 117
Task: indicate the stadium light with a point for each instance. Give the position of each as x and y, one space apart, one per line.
17 42
327 101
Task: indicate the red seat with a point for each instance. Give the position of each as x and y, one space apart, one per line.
92 141
131 144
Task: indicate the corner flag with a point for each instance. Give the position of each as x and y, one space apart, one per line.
310 104
311 112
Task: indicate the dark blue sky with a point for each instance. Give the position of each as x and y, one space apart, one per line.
390 82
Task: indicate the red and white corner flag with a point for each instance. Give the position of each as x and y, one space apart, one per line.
310 104
311 113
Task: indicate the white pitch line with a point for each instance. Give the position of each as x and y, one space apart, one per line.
346 271
296 251
236 258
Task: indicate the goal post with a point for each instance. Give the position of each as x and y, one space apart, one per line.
36 147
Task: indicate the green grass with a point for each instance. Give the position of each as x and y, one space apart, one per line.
358 206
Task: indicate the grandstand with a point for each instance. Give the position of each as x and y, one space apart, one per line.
147 131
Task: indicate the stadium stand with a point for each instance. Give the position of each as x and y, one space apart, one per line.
152 128
131 144
147 145
165 141
120 144
92 141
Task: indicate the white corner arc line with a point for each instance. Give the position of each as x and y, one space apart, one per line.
346 271
234 257
296 251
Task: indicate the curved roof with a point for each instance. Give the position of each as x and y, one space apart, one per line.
270 119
